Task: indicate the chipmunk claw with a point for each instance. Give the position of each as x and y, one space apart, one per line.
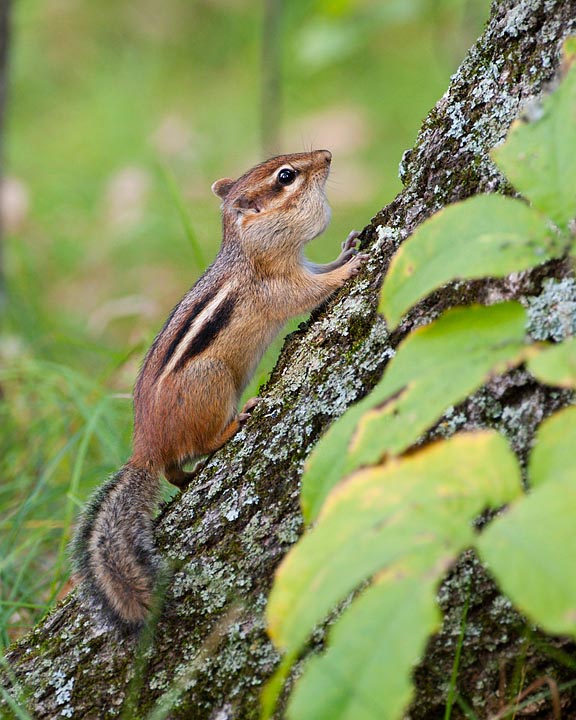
355 263
350 242
247 408
249 405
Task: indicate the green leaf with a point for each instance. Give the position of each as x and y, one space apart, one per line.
365 674
271 691
486 235
539 158
326 466
556 365
436 367
418 507
553 459
531 548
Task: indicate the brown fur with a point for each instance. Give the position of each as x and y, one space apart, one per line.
186 413
188 390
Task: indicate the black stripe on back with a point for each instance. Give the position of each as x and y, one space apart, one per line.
196 309
209 331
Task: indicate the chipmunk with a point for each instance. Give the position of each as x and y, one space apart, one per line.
189 386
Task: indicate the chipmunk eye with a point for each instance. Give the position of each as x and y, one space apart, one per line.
286 176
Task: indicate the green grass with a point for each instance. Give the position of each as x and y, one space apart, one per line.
59 429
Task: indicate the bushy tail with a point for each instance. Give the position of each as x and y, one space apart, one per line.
113 549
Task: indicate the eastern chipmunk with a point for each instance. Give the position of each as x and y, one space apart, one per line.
187 392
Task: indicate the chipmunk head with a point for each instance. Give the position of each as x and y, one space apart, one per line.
278 200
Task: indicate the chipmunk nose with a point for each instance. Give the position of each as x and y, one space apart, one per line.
327 155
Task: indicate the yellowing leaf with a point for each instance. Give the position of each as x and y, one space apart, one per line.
435 367
415 507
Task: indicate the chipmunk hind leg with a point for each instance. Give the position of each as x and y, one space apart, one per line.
207 417
113 548
182 478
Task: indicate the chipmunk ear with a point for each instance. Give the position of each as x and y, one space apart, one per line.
222 187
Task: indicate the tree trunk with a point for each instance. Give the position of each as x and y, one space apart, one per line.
226 534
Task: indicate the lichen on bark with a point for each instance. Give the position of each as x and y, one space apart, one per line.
226 534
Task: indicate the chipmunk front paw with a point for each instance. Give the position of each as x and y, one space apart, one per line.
354 264
348 248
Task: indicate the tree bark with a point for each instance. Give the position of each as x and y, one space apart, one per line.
226 534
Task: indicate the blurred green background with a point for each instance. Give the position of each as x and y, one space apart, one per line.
120 116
